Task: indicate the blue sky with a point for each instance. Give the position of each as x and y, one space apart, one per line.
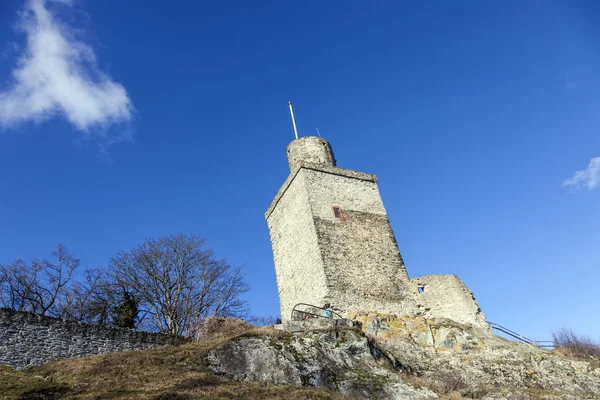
125 120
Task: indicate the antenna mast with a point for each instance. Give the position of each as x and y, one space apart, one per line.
293 119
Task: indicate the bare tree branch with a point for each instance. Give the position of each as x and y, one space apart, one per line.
37 287
179 283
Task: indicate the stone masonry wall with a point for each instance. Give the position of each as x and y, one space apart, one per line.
446 296
298 264
351 263
333 246
28 339
309 149
363 266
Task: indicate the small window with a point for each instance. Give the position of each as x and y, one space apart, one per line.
337 212
421 289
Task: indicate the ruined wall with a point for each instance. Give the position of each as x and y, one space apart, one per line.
363 266
446 296
29 339
298 264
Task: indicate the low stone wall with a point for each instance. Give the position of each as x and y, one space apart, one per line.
28 339
446 296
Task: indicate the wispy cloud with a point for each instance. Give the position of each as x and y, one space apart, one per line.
588 178
58 74
572 84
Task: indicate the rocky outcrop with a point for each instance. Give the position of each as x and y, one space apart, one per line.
343 360
391 357
478 361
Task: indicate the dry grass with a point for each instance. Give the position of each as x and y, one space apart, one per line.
14 382
578 347
449 387
216 328
177 373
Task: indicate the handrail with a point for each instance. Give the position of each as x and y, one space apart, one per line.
538 343
498 327
313 314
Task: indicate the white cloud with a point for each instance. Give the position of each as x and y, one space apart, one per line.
57 74
589 177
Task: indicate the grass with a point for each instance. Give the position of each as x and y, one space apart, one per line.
177 373
180 373
448 387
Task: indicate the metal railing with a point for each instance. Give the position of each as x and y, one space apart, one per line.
513 334
325 312
329 314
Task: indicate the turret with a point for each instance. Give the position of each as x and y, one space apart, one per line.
310 149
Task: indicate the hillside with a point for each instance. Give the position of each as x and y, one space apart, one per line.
385 358
165 373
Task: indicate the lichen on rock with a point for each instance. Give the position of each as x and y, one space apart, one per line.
386 356
343 360
443 349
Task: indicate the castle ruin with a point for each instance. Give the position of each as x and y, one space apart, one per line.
333 246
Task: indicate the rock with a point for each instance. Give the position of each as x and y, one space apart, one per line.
342 360
443 350
392 357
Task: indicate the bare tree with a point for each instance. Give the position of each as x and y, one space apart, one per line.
13 293
579 347
90 299
263 320
179 283
37 287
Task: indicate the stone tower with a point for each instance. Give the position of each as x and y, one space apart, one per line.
332 241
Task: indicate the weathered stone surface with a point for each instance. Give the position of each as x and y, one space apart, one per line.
310 149
446 296
28 339
349 261
362 263
337 360
333 247
443 349
300 275
437 354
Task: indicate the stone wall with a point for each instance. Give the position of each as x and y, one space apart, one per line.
446 296
310 149
298 263
351 262
363 266
333 246
29 339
